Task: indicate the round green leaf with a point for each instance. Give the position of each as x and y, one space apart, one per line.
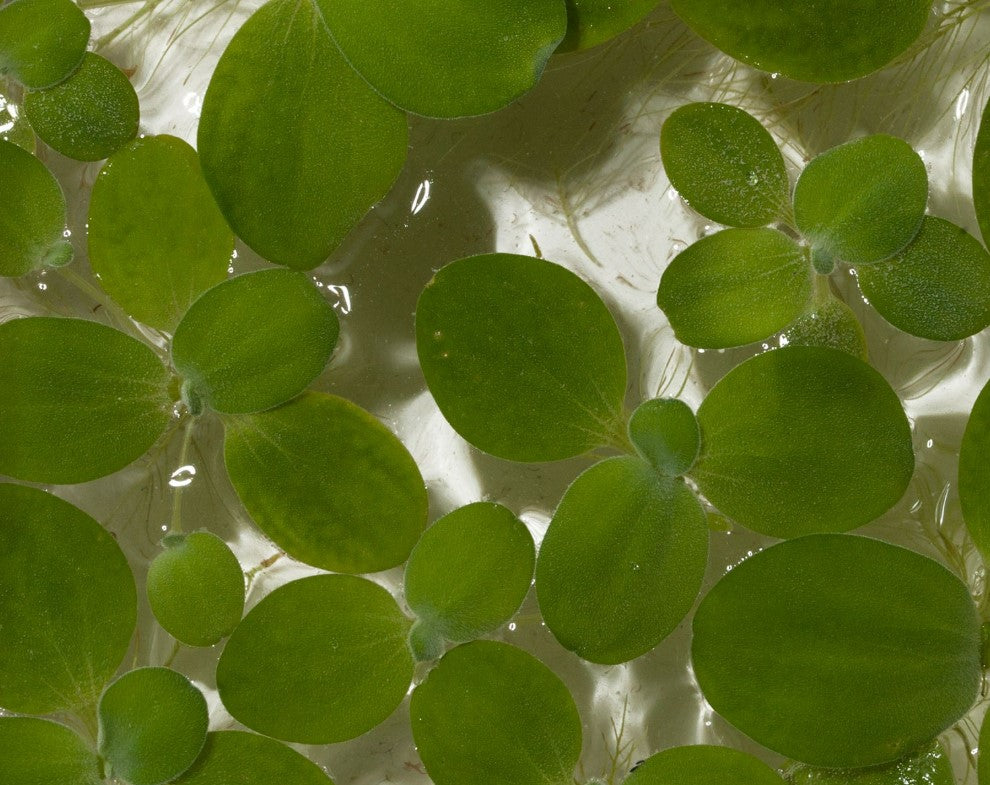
328 483
235 362
522 357
153 724
974 473
90 115
832 324
725 164
981 175
489 707
735 287
862 201
936 288
155 250
808 40
39 752
238 758
592 22
803 439
666 433
319 660
67 604
294 179
470 571
622 561
41 41
32 214
931 766
196 588
703 765
78 400
451 58
838 651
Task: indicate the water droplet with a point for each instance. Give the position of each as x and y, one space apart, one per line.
437 335
42 286
421 198
635 567
753 179
512 627
182 476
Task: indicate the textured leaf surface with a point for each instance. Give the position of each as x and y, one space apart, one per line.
931 766
592 22
666 433
831 324
39 752
238 758
974 473
41 41
703 765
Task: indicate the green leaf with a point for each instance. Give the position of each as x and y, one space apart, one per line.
981 175
448 59
235 362
725 164
592 22
41 41
735 287
812 42
78 400
294 179
67 604
328 483
90 115
153 724
931 766
666 433
40 752
319 660
838 651
470 571
155 250
801 440
936 288
974 473
831 324
522 357
231 757
32 215
862 201
489 707
196 588
703 765
622 561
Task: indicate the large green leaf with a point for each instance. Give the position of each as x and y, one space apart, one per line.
328 483
592 22
981 175
808 40
319 660
801 440
522 357
931 766
839 651
489 707
155 250
735 287
666 433
67 604
39 752
78 400
703 765
974 473
41 41
238 758
295 178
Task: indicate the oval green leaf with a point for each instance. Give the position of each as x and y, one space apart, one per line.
295 179
196 588
39 752
725 164
328 483
838 651
319 660
666 433
703 765
735 287
235 362
801 440
67 604
981 175
153 724
832 324
90 115
41 41
489 707
545 377
231 757
622 561
931 766
592 22
974 473
155 250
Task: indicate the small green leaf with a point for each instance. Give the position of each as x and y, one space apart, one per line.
40 752
981 175
801 440
831 324
838 651
236 362
78 400
32 215
153 724
41 41
592 22
936 288
319 660
470 571
931 766
489 707
666 433
622 561
703 765
196 588
155 250
67 604
238 758
90 115
543 379
725 164
862 201
735 287
974 474
294 179
328 483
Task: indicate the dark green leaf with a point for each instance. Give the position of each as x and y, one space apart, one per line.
703 765
931 766
41 41
832 324
666 433
974 473
238 758
40 752
981 175
592 22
